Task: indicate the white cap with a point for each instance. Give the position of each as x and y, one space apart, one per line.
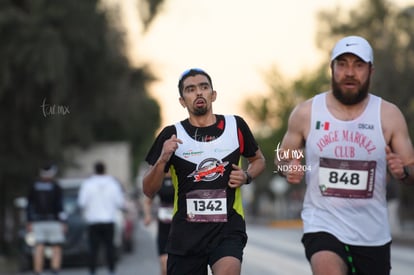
355 45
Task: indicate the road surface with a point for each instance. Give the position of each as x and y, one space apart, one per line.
269 251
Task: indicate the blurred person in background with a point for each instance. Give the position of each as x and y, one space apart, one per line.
164 217
46 218
101 198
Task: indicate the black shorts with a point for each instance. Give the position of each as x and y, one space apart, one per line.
365 260
198 264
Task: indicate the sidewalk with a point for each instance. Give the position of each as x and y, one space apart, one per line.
7 266
406 238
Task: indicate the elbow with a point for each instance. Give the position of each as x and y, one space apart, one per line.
147 190
148 193
261 164
152 182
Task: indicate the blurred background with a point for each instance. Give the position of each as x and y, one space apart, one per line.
87 80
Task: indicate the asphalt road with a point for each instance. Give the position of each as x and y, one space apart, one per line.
143 260
270 251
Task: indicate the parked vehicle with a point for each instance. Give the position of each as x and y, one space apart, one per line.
75 248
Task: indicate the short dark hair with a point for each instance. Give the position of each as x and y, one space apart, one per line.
191 72
99 168
48 170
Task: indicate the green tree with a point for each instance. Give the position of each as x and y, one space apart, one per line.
148 10
64 79
270 115
391 33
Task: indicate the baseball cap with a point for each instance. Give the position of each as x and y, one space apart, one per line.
355 45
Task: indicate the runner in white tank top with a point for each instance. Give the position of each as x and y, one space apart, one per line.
348 172
350 139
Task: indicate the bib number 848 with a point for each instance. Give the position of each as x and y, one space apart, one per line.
345 178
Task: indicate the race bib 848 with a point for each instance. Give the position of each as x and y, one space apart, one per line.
347 178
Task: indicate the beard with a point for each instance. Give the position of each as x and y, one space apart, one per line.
349 98
200 111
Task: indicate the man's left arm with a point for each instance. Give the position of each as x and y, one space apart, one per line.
400 151
253 154
256 165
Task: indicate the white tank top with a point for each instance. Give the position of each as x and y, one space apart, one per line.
198 151
346 184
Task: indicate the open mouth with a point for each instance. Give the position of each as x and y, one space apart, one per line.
350 84
200 103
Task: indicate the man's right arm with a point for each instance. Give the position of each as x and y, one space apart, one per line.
153 178
155 174
294 139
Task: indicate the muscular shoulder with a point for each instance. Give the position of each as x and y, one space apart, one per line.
240 120
168 131
301 114
165 134
392 119
304 108
389 109
298 125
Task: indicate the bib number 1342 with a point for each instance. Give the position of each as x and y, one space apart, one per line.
207 205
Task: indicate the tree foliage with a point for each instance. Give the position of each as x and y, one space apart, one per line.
271 114
148 10
391 34
64 80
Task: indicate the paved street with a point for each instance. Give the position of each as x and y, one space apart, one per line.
270 251
278 251
142 261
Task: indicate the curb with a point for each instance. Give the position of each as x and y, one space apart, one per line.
405 239
286 224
